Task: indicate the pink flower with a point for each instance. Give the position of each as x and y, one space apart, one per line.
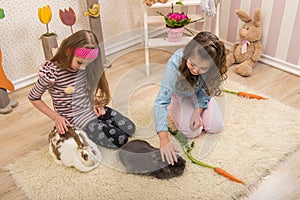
177 16
176 20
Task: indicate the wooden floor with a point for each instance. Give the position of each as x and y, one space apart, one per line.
25 129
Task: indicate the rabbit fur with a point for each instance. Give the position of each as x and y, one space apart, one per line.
138 156
74 149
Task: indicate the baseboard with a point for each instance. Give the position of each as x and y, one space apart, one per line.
137 39
280 64
119 46
274 62
24 82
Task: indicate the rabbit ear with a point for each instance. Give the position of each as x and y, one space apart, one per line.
257 17
85 143
243 16
78 139
51 134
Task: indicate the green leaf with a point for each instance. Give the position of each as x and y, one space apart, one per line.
179 3
180 137
188 148
2 15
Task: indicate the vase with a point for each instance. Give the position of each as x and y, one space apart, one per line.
49 42
175 34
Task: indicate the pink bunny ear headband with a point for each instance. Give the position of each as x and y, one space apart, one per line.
86 53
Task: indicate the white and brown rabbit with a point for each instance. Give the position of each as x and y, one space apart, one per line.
74 148
138 156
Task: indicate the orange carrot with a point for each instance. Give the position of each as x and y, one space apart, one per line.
187 148
249 95
245 94
227 175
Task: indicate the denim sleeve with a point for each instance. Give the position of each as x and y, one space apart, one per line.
165 93
160 109
202 99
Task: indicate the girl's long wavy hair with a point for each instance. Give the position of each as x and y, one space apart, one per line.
208 47
96 78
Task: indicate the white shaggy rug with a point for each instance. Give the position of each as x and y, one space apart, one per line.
258 136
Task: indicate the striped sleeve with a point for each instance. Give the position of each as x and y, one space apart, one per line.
47 76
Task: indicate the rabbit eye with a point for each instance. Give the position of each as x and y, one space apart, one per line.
84 156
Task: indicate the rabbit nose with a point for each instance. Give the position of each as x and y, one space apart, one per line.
243 32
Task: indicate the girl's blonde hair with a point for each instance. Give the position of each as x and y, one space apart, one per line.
96 78
208 47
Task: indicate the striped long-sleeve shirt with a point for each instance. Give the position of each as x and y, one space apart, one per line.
76 106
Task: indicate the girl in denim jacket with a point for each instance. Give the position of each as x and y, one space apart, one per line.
192 76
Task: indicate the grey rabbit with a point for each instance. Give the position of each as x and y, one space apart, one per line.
138 156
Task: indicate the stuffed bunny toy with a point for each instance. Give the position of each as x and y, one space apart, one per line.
138 156
74 148
249 49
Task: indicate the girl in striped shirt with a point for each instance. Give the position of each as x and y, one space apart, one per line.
79 90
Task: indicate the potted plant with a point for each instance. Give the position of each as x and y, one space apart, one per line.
176 22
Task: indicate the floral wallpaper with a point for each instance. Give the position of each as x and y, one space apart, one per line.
20 29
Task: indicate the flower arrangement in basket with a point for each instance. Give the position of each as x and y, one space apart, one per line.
176 22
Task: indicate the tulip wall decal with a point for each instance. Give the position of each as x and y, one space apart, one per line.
48 39
68 17
2 15
45 15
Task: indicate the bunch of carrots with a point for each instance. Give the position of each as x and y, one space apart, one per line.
245 94
187 150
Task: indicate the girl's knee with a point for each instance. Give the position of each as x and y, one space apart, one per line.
127 127
189 133
114 142
131 128
121 140
215 128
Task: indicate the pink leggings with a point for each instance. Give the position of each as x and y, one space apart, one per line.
182 108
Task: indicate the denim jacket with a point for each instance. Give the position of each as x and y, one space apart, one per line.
168 88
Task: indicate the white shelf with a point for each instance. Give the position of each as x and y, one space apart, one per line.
163 42
160 42
168 4
160 19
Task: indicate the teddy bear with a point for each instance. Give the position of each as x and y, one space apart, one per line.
248 50
151 2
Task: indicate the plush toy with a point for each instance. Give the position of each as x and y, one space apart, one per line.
151 2
247 51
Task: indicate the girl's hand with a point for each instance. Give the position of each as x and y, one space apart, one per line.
99 110
195 119
167 150
61 124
